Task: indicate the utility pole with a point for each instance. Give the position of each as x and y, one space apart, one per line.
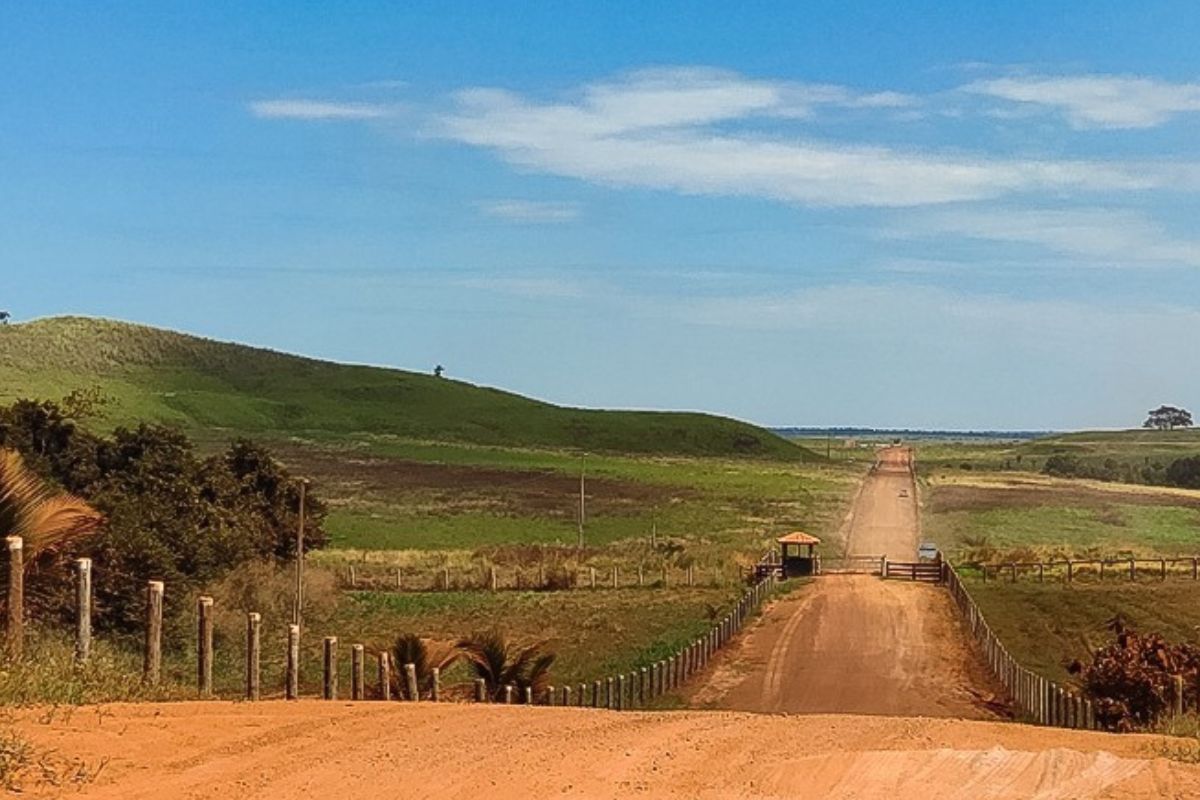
298 608
582 498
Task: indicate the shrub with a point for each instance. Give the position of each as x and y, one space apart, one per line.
1184 473
1131 681
501 663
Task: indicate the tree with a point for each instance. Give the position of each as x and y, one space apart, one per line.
5 317
1184 473
1166 418
438 370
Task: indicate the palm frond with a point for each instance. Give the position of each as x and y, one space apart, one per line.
47 520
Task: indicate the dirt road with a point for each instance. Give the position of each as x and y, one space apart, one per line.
855 643
286 751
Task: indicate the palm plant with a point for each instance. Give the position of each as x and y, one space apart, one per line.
501 663
48 520
425 655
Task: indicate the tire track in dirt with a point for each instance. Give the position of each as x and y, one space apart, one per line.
288 750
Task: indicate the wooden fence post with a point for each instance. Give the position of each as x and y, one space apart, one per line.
204 646
480 690
528 698
83 609
357 682
615 579
1162 571
1041 572
253 654
1195 567
641 576
152 653
410 682
508 694
399 579
582 699
15 635
353 577
593 573
566 695
1177 694
1012 573
385 675
292 671
550 695
691 575
595 694
446 578
492 580
1070 570
1102 570
1132 570
665 577
329 662
621 692
435 685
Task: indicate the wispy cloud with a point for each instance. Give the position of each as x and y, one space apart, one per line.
1103 236
317 110
1097 101
530 211
690 131
530 287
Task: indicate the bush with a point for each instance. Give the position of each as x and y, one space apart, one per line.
1184 473
169 514
1131 682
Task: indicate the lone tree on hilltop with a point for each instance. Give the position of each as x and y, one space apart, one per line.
438 370
1166 418
5 317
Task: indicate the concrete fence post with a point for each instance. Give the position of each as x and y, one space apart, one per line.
329 685
609 696
480 690
596 694
582 699
204 646
492 581
592 570
621 692
435 684
410 682
508 694
384 676
643 675
549 695
83 609
528 695
292 672
253 655
15 634
566 695
357 669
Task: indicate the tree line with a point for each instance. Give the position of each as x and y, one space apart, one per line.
163 511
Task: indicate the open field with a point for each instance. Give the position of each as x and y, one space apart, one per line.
1001 516
345 750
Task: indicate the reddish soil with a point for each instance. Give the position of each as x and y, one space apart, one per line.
858 644
284 751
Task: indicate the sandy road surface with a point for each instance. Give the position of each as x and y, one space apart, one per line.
855 643
279 750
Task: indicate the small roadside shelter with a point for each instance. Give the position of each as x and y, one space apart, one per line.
798 554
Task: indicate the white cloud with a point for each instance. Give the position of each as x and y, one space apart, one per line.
317 110
1098 101
530 211
675 130
1108 237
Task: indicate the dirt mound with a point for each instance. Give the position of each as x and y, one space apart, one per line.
280 750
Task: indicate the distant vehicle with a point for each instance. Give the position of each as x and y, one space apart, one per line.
927 551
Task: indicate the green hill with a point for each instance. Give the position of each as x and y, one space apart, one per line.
210 387
1125 444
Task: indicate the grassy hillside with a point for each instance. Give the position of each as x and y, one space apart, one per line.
207 386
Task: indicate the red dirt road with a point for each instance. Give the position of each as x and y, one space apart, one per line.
311 749
857 644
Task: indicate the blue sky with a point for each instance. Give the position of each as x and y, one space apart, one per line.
894 214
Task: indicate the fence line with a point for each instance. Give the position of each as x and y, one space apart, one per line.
496 579
637 688
1069 569
1044 701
